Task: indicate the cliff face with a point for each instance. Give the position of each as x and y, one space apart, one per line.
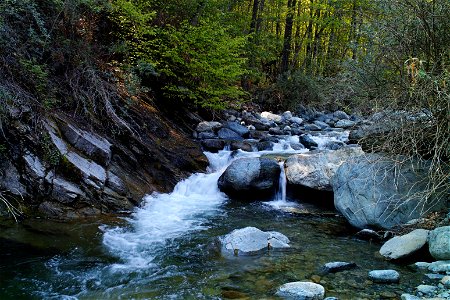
57 166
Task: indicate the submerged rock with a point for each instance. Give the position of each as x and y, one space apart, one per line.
439 243
301 290
384 276
250 240
337 266
315 169
405 245
375 191
250 178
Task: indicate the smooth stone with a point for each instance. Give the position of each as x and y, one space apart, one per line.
301 291
405 245
344 124
250 240
434 276
213 145
331 298
286 116
369 234
384 276
422 265
265 145
206 135
427 290
276 131
440 266
240 145
333 267
321 124
439 243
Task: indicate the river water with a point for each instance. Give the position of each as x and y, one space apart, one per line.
168 248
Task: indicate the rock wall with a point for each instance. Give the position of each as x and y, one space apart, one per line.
58 167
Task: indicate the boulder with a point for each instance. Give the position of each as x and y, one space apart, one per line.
312 127
340 115
374 191
439 243
250 178
286 116
315 169
240 145
307 141
264 145
238 128
321 124
208 126
213 145
301 290
440 266
402 246
250 240
258 124
228 134
296 120
271 117
384 276
276 131
344 124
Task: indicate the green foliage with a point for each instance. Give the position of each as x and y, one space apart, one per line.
291 90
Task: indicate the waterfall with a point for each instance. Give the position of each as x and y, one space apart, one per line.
281 193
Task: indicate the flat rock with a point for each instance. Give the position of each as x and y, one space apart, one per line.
384 276
439 243
337 266
440 266
405 245
301 290
66 192
315 169
250 240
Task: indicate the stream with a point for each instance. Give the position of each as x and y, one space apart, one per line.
168 248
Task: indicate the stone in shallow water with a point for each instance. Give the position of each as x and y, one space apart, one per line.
409 297
336 266
440 266
301 291
405 245
384 276
249 240
426 290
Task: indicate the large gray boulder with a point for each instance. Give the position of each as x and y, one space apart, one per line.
375 191
250 240
402 246
228 134
301 291
315 169
238 128
439 243
250 178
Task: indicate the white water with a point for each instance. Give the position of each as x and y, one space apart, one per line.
165 217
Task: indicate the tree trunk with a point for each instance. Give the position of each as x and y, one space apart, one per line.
287 36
